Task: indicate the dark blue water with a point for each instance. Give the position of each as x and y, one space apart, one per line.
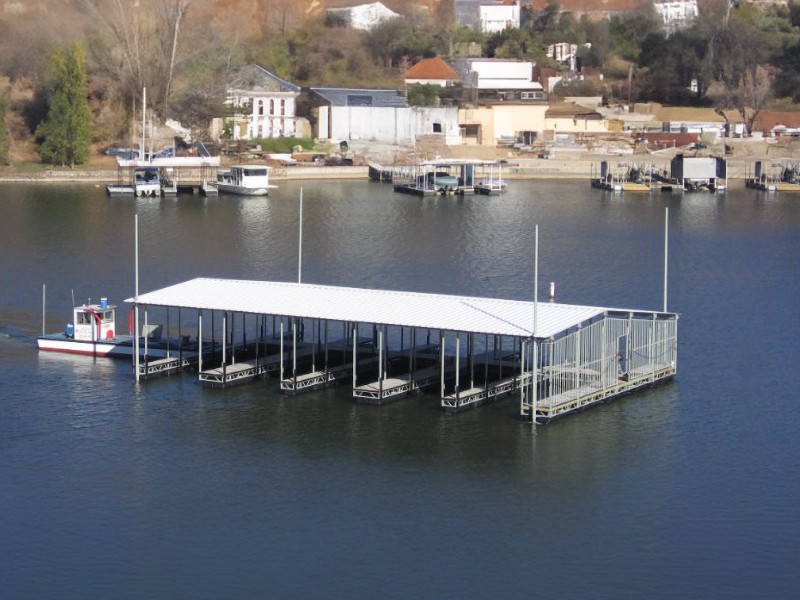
171 490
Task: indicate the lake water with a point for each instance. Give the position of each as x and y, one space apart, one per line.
171 490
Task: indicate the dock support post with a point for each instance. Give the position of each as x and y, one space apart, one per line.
442 345
522 357
380 364
224 347
281 349
135 296
168 334
486 362
355 354
458 367
294 353
200 341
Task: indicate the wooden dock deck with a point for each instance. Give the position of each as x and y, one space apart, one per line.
392 388
167 365
472 397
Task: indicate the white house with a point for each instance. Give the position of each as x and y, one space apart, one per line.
380 116
676 14
495 79
364 16
500 15
263 103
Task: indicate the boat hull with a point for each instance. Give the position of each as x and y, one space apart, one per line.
121 347
239 190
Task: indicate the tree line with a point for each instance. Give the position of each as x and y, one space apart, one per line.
734 56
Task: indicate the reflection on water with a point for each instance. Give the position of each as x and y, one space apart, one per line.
235 492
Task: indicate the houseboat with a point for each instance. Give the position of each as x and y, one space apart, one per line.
245 180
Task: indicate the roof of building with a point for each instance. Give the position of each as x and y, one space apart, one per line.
432 68
359 97
589 6
254 78
404 309
681 114
767 120
571 110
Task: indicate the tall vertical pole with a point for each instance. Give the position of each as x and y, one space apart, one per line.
136 295
534 376
666 253
300 243
44 298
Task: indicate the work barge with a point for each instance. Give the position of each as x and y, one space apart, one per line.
388 344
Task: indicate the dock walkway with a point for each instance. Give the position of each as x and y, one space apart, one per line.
390 388
475 396
586 395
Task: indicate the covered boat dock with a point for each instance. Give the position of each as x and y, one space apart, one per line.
468 350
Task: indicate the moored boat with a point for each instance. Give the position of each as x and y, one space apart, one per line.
93 332
144 181
245 180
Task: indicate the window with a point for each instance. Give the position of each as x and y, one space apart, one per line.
283 107
437 128
272 107
260 107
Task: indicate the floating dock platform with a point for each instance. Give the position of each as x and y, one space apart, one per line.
468 350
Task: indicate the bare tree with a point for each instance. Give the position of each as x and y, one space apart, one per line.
173 13
144 38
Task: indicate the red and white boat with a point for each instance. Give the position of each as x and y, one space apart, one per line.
93 332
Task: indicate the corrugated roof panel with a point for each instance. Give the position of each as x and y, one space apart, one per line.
408 309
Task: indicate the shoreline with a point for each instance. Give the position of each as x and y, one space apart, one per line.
528 168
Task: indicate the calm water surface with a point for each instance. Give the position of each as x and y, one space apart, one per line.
170 490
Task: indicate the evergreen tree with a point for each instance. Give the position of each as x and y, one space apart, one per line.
63 137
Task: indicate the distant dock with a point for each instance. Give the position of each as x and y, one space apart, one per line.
443 177
166 177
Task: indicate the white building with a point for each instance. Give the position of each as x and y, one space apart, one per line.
497 16
676 14
379 116
364 16
499 79
263 103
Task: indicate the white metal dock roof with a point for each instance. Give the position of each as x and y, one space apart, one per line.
408 309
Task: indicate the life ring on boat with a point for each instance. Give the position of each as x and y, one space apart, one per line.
109 335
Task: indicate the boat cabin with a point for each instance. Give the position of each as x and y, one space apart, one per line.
93 322
146 181
250 176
